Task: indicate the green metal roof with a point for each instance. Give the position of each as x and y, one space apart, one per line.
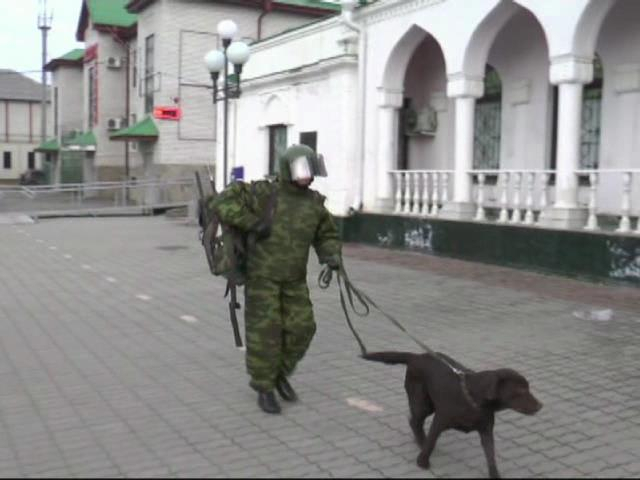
143 130
318 5
72 58
73 55
311 4
49 146
111 12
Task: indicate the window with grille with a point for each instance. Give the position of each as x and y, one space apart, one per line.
488 121
149 74
134 68
6 160
93 96
277 146
591 119
310 139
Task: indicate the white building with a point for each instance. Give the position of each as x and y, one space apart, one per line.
108 84
68 162
173 37
457 108
139 56
20 126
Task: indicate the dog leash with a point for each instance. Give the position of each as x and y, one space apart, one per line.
345 285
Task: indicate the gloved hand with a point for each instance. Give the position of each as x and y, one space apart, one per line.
333 262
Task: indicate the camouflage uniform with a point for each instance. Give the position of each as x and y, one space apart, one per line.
279 322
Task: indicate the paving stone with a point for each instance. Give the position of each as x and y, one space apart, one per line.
96 382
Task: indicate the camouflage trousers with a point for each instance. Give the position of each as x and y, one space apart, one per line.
279 327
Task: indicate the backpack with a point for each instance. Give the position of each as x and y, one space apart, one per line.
226 247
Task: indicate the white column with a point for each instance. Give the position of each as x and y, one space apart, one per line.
568 153
463 149
465 90
389 105
570 73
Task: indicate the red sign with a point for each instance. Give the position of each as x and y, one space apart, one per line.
91 53
167 113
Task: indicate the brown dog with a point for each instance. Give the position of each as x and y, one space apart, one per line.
433 387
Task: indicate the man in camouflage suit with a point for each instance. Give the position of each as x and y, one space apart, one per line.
279 320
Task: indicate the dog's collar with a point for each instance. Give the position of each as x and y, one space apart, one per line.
465 389
463 382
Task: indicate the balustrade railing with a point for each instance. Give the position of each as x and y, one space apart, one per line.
420 192
517 197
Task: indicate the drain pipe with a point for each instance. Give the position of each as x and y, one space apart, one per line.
267 6
348 6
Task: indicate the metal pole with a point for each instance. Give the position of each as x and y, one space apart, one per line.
226 117
44 24
44 27
127 115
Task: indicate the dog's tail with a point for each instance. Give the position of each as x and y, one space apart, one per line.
392 358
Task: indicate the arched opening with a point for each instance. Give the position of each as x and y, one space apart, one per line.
615 98
513 117
617 49
423 127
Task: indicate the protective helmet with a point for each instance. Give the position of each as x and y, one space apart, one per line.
301 162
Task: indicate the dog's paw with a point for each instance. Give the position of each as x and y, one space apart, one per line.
423 461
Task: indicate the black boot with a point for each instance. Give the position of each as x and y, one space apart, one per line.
285 390
268 403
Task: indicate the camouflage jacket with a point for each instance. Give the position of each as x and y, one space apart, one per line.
300 221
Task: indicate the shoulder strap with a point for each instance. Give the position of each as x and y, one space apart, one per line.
271 205
269 210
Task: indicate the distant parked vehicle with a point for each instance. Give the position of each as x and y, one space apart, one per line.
33 177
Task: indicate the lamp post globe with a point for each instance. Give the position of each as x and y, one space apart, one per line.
214 60
238 53
227 30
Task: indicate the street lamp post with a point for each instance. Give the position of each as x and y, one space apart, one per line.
218 61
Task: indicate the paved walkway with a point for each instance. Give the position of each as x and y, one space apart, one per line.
117 359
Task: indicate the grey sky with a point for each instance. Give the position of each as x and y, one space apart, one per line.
20 39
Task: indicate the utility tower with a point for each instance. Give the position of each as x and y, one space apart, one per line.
44 25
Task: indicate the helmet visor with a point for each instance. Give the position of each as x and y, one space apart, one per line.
301 169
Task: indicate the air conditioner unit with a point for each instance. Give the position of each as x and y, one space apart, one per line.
115 123
421 122
114 62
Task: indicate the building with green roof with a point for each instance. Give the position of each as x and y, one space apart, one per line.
143 54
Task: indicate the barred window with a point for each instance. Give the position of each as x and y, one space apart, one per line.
148 74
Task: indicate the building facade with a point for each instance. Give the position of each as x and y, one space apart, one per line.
173 38
67 161
109 33
523 111
20 125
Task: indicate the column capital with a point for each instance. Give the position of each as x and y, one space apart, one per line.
571 69
461 85
390 98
